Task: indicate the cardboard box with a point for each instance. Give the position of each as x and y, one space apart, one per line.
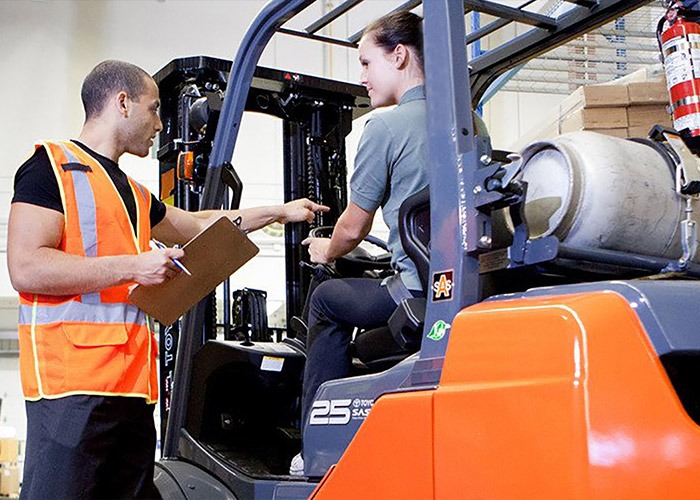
9 450
647 93
647 116
9 480
595 96
603 108
594 118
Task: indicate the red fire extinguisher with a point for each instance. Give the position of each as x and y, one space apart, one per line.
679 39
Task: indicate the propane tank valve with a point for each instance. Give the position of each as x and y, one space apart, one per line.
689 234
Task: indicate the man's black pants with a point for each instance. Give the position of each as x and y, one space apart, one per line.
81 447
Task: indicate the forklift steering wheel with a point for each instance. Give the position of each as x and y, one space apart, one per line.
358 260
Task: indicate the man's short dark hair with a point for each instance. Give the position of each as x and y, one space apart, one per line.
109 78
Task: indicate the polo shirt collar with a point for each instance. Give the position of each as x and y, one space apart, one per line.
413 94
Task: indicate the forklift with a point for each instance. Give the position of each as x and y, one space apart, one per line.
532 368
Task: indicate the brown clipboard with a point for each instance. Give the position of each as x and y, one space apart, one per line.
211 256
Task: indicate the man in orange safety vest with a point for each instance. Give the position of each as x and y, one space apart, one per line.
78 238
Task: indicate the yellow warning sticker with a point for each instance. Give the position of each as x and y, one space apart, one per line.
272 364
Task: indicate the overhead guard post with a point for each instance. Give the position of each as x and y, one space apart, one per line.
269 20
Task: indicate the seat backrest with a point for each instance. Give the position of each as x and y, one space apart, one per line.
414 230
377 348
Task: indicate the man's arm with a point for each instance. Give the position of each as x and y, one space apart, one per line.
37 266
179 226
352 227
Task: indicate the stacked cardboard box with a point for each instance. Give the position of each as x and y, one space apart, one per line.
9 473
648 107
600 108
626 109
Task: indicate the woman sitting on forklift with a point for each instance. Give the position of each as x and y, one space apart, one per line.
390 166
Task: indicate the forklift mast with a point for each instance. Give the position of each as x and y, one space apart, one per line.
316 116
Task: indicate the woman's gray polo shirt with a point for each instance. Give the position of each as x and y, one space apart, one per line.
392 164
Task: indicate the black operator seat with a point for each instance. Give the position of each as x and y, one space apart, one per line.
383 347
414 230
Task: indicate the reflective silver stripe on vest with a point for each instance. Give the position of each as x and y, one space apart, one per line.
87 215
83 313
143 191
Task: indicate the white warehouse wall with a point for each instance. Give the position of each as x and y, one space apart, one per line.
510 115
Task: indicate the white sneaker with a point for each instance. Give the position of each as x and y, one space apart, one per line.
297 466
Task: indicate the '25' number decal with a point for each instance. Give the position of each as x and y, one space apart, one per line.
330 412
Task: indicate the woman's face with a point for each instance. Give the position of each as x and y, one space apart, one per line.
379 72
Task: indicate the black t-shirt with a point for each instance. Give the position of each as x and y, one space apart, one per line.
36 184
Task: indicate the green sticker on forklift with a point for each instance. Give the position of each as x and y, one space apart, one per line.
438 331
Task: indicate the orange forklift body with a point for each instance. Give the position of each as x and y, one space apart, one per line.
557 397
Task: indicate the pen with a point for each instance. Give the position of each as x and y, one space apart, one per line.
176 261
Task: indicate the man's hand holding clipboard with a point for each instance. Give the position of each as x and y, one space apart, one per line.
211 257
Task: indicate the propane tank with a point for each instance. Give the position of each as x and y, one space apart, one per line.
679 43
595 191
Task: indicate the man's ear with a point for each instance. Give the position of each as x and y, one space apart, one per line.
123 103
401 56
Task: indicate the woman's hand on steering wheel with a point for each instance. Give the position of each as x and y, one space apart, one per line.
354 263
318 249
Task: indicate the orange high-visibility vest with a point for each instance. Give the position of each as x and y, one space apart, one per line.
92 343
